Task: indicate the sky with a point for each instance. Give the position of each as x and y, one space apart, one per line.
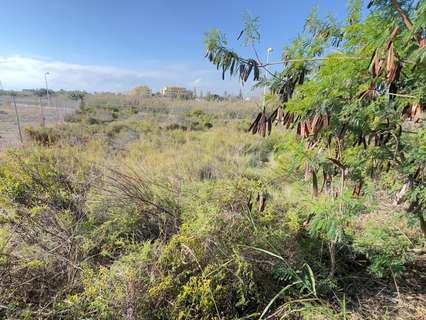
114 45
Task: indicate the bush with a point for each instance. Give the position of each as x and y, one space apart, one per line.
43 136
386 247
43 195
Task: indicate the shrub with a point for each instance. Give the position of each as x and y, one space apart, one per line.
41 135
386 247
43 196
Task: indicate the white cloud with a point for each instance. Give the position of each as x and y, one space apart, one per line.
18 72
196 83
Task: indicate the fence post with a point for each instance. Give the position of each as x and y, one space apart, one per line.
18 122
58 112
43 121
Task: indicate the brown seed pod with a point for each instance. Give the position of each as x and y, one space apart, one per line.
315 183
316 124
325 121
274 115
280 116
391 66
261 197
262 125
416 112
357 189
254 126
376 63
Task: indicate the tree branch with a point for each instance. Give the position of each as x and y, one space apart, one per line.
313 59
404 16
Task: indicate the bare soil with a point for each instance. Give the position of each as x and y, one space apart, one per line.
30 116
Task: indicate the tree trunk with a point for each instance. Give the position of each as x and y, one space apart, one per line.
422 223
332 252
315 183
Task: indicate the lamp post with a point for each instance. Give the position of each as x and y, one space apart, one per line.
264 88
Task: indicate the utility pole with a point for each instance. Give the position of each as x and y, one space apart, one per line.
18 122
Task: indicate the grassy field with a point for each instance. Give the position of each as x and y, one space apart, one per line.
167 209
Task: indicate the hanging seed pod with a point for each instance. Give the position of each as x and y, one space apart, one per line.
303 133
256 75
390 63
289 120
302 74
342 131
280 116
370 138
406 113
315 183
250 202
262 125
240 35
357 189
307 129
242 72
254 126
325 121
316 124
261 197
324 177
376 140
269 126
378 67
416 112
376 64
249 68
274 115
364 143
231 70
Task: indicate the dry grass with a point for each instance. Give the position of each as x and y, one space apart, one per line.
29 116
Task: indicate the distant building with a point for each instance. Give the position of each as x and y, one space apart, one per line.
141 91
176 92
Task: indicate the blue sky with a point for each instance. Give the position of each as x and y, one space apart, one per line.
112 45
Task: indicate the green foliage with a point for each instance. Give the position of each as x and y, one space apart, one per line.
386 247
170 210
199 120
331 217
251 29
359 130
44 136
214 39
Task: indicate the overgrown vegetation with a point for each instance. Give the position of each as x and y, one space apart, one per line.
172 210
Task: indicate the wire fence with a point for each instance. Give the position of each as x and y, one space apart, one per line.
31 111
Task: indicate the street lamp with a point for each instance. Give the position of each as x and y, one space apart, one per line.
264 88
47 89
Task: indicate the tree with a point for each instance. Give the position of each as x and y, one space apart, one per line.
214 97
354 93
78 96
